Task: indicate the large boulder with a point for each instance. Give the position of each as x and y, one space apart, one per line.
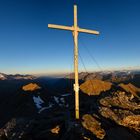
91 124
122 117
119 108
132 121
119 99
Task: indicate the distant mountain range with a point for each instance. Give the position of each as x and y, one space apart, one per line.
111 76
123 72
16 77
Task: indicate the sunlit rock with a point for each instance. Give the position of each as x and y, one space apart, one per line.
119 99
132 121
95 87
91 124
55 130
31 87
130 88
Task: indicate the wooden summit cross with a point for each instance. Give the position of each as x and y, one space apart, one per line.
75 30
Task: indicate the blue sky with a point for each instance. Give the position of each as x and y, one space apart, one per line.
28 46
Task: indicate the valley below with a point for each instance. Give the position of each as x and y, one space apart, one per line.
43 108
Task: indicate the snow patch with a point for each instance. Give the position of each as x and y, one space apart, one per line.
44 108
38 101
67 105
56 99
1 76
59 101
62 100
67 94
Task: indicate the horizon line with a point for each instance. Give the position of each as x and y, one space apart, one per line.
68 72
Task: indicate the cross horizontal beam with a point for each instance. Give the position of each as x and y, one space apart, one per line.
88 31
71 28
60 27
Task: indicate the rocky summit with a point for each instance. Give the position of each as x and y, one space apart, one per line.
31 87
95 87
43 108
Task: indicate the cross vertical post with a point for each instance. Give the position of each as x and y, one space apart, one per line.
75 30
76 85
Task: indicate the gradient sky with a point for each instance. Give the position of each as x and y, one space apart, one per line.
28 46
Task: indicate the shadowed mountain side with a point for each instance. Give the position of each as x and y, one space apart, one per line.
11 86
15 102
48 112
